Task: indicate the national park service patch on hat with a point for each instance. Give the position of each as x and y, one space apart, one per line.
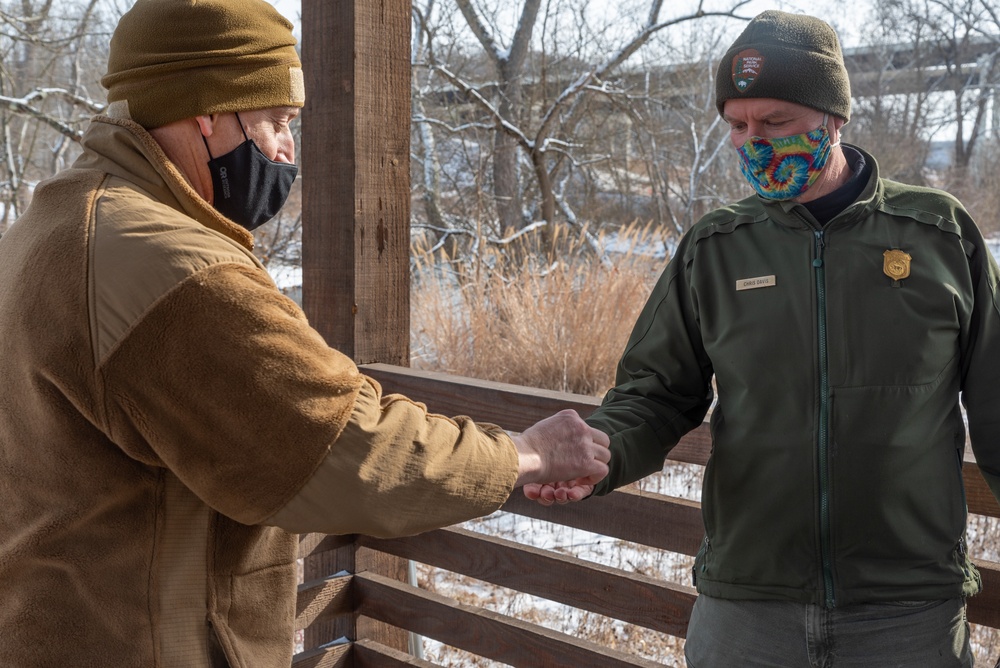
747 65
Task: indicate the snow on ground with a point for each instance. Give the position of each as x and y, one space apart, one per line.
681 480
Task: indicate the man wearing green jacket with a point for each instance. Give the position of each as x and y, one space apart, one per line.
844 317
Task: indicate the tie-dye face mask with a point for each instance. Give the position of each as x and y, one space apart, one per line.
784 167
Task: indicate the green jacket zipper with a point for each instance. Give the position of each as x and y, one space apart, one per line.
824 424
702 556
962 559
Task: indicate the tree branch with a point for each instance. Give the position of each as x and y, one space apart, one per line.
76 100
651 28
477 97
452 129
480 31
23 107
522 36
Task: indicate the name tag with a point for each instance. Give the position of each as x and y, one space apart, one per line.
758 282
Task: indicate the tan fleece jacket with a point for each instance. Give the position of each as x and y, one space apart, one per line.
167 417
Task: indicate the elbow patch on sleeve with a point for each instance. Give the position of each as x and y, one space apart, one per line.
224 383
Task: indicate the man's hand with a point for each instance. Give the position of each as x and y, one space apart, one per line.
562 447
558 492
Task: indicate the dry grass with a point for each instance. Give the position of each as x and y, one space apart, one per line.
556 320
981 196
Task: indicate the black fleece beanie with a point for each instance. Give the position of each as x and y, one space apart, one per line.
790 57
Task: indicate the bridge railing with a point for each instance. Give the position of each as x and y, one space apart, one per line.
362 617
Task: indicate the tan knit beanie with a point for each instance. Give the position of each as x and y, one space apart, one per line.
790 57
175 59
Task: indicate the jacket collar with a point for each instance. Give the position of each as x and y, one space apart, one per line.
123 148
793 214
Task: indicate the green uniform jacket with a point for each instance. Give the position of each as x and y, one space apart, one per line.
835 474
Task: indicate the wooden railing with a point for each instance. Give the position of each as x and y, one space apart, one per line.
362 616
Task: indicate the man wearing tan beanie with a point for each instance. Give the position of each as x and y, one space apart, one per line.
843 317
169 420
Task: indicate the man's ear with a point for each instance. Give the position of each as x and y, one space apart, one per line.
838 123
206 124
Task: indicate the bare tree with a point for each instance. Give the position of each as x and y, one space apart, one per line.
894 83
427 159
53 55
509 64
550 102
941 70
954 46
682 137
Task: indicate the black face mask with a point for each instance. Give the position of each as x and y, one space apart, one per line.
249 187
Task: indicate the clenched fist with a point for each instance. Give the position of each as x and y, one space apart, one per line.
562 447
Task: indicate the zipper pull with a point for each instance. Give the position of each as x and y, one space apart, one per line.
963 556
820 245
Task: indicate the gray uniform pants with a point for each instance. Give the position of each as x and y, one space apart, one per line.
905 634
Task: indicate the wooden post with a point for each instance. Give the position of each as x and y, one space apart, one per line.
356 176
356 210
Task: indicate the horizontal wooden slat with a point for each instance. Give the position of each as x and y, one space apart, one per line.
694 447
369 654
984 608
321 600
630 597
330 656
513 407
516 408
666 522
479 631
977 493
316 543
625 597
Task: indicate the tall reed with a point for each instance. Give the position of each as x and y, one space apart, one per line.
556 319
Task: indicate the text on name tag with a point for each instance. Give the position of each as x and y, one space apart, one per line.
757 282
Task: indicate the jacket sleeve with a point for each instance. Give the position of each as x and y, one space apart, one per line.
981 365
224 383
388 474
663 384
